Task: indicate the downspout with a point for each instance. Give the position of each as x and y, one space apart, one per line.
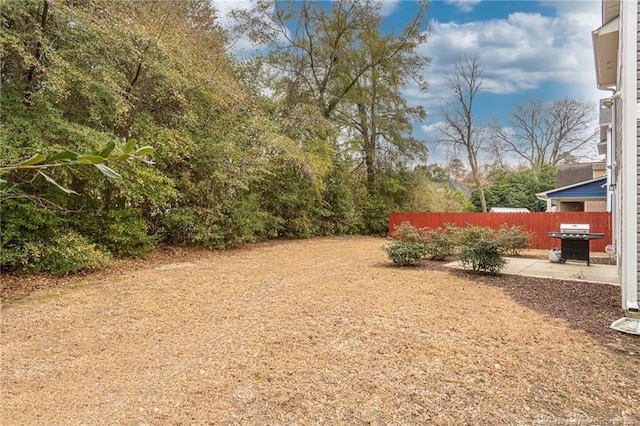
547 200
610 104
612 190
610 165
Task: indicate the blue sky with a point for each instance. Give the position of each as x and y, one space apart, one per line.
531 50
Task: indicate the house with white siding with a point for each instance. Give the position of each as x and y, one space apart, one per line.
615 46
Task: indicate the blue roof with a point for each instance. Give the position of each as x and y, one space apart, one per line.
594 189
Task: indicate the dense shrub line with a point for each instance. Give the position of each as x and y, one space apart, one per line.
480 249
231 164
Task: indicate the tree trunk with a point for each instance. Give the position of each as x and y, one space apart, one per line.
473 162
368 148
369 161
37 55
483 201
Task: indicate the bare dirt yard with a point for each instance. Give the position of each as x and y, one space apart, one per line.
321 331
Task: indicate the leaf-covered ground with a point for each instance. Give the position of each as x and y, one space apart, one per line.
319 331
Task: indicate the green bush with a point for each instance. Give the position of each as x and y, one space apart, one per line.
63 254
482 255
35 239
25 228
71 252
478 248
407 232
194 226
512 239
405 253
438 243
470 234
216 229
375 215
123 232
127 234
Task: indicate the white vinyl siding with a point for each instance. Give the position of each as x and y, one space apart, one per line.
638 142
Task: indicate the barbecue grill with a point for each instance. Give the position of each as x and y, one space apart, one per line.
575 239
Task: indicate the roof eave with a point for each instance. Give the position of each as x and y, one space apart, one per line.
545 195
605 53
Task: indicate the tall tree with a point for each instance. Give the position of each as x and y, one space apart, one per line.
375 107
335 57
458 129
548 133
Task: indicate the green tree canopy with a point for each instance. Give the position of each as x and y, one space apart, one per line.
335 58
518 188
88 85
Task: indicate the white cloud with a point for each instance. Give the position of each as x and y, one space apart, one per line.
432 129
519 53
224 9
430 134
388 6
241 47
464 5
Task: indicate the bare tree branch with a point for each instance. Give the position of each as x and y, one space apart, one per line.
546 133
458 129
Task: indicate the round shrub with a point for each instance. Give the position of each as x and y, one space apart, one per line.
438 243
512 239
482 255
405 253
407 232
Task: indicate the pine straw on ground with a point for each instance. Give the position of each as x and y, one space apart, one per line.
320 331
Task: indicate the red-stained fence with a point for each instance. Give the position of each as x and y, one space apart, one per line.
537 223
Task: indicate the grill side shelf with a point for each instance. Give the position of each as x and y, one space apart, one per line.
572 236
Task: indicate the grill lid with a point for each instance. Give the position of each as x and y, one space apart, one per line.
574 228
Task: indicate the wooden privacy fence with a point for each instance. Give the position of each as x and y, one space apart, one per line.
538 223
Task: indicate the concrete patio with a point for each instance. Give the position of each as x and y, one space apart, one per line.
572 271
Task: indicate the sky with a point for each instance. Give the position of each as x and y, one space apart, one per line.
530 50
